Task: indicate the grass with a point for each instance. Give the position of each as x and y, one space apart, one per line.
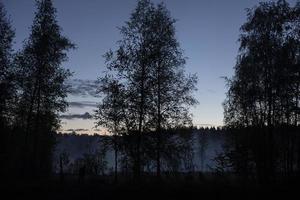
182 189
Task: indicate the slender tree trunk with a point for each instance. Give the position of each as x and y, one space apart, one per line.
27 158
36 158
29 115
158 167
61 169
116 159
140 125
297 105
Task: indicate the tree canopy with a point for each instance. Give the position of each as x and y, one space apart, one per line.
148 67
265 87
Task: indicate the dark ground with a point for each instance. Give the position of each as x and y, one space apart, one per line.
96 189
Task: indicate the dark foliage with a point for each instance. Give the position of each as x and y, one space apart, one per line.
37 90
146 95
262 105
146 90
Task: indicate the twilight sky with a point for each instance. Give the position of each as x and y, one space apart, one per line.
207 30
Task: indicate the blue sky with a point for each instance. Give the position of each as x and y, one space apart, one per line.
207 30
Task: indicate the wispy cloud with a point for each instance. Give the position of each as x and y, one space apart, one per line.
82 104
85 115
81 87
78 129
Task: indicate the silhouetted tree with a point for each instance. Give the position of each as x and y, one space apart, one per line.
265 88
63 162
263 94
6 39
171 91
131 63
7 87
111 112
42 88
150 66
202 141
176 154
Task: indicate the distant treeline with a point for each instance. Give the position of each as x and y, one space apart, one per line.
187 151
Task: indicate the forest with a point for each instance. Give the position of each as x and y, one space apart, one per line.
145 94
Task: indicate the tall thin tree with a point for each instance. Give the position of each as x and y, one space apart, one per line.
171 94
7 86
150 65
42 89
